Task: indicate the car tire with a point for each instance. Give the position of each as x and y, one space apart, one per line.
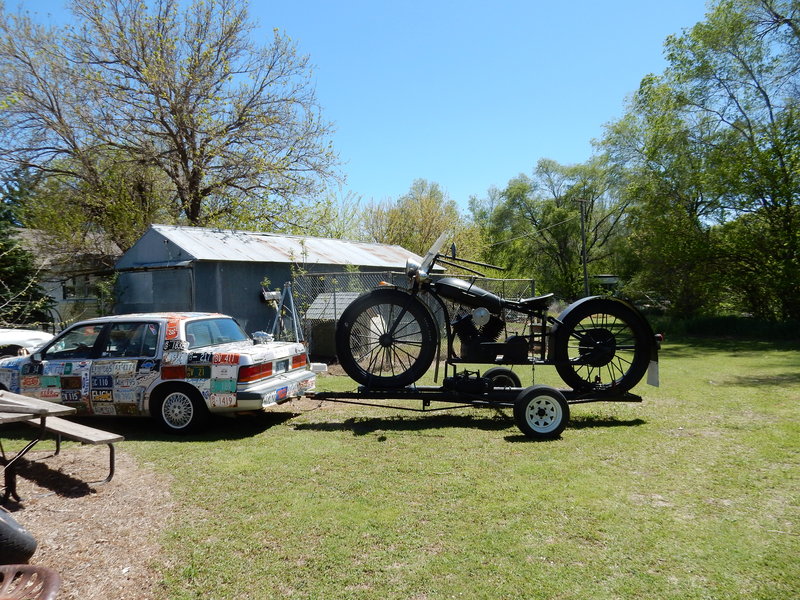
179 408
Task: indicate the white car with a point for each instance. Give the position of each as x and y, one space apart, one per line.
176 367
17 342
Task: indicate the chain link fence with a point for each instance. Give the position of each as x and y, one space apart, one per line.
322 297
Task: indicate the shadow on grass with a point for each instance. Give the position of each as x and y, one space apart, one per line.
582 422
765 380
688 347
144 429
365 426
589 421
218 429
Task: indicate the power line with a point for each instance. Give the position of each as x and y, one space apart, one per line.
528 235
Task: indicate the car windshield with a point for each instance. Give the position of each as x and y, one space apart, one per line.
211 332
75 343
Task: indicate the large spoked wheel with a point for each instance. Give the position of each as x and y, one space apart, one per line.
179 409
602 345
386 339
541 412
502 377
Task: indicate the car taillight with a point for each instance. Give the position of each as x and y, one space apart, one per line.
255 372
298 361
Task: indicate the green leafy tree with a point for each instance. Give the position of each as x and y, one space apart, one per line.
418 218
22 300
167 100
100 218
663 175
15 191
536 227
710 151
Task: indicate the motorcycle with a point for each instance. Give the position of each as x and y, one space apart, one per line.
387 338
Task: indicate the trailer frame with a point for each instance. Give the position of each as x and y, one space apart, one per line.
468 391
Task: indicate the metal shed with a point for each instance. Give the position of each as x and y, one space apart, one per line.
192 268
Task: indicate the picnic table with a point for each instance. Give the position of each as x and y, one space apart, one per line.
15 408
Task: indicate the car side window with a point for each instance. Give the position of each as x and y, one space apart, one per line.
131 340
76 343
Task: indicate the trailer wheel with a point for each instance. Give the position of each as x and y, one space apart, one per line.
541 412
502 377
16 544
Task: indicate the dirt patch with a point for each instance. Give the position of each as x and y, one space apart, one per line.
101 539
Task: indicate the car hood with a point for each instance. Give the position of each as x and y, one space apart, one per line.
24 337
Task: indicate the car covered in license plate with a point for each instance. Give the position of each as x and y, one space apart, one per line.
177 368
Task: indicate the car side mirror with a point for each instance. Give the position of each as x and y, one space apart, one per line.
37 357
453 250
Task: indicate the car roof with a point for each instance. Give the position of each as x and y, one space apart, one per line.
154 316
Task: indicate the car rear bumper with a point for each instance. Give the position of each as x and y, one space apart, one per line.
276 389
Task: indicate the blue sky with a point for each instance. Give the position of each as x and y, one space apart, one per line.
469 94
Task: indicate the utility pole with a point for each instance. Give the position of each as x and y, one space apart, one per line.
582 202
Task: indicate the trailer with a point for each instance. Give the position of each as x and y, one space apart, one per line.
540 411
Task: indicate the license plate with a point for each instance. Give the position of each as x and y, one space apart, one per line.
652 373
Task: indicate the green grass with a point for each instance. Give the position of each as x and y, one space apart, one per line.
691 494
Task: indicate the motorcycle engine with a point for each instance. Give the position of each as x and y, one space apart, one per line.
473 330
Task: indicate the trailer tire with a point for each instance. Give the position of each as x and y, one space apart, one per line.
502 377
541 412
16 544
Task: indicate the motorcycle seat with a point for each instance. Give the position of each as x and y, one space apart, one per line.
536 302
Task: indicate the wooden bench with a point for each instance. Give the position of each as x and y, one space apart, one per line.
84 434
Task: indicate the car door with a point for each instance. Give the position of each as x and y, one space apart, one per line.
125 366
62 374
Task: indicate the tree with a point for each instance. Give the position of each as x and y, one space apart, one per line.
663 174
714 139
22 301
166 103
537 226
15 192
339 215
75 214
417 219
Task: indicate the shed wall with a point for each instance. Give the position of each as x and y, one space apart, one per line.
234 288
154 290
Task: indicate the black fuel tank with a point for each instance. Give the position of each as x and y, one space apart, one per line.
465 293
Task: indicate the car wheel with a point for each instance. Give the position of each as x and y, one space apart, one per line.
179 409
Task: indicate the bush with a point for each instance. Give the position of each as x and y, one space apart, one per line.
725 326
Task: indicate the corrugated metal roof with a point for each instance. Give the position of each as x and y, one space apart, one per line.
329 306
250 246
